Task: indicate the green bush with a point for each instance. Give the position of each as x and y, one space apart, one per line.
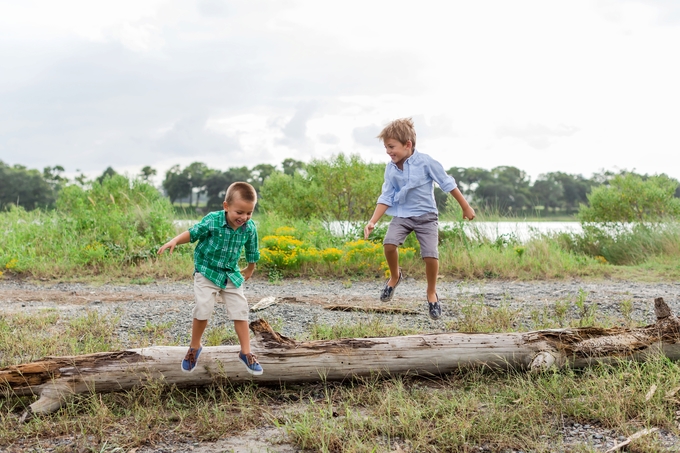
632 198
117 222
341 188
630 220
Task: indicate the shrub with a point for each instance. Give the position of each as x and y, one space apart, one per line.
117 222
629 221
631 198
341 188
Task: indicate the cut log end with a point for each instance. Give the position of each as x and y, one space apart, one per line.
543 361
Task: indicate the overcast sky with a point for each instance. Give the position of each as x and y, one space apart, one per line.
574 86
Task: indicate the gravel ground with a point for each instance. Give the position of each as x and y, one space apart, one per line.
301 305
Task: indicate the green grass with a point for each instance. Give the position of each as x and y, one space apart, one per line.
473 408
459 412
99 238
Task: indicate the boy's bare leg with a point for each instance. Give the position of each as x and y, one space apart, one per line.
392 257
431 272
241 328
197 329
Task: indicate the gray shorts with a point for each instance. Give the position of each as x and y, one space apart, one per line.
426 227
207 293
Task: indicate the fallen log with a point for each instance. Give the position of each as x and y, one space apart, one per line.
388 310
54 379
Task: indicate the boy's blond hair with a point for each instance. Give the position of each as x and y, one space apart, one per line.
244 190
402 130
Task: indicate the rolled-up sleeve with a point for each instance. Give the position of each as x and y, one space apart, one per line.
251 247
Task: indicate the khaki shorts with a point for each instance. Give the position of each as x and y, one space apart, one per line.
426 227
207 293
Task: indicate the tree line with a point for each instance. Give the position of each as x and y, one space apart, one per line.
341 187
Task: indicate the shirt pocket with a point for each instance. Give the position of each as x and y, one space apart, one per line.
418 177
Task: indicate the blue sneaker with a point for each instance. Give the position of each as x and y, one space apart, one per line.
191 359
251 363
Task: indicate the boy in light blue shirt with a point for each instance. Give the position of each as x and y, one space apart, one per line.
408 196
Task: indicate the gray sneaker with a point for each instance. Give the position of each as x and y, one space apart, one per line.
435 309
388 291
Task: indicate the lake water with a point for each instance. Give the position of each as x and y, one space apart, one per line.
522 230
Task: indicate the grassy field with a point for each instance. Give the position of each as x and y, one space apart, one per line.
49 246
112 232
497 411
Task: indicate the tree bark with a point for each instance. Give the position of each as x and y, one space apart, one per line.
54 379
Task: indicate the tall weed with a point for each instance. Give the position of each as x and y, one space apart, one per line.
625 244
114 227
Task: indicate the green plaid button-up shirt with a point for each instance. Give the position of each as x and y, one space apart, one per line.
219 248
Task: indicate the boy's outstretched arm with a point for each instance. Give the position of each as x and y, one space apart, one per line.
181 238
468 212
379 211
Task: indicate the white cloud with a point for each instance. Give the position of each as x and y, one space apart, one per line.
575 86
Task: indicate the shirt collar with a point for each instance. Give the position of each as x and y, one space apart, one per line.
225 224
410 159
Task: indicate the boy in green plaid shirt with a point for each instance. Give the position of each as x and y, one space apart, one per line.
221 236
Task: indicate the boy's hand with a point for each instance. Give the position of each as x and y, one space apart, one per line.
248 271
468 213
369 229
181 238
170 244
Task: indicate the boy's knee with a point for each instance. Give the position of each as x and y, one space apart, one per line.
389 247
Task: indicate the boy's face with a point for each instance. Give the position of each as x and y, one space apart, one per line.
397 151
238 211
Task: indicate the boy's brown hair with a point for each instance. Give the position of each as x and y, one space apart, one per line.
401 129
244 190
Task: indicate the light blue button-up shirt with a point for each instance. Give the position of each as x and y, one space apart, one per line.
410 192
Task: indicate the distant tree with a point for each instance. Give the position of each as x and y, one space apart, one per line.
217 182
290 166
176 184
108 172
468 178
53 177
260 173
147 173
215 187
575 190
240 174
504 188
81 179
196 174
547 191
23 187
